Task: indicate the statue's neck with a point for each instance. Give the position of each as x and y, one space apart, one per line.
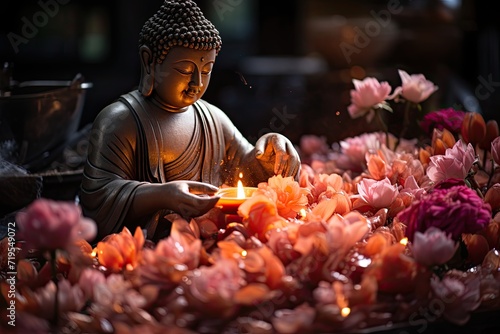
163 106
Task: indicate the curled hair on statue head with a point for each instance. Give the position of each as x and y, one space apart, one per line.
178 23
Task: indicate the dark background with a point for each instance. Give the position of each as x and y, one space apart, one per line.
281 66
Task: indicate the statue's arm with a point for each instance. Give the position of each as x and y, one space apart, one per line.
272 154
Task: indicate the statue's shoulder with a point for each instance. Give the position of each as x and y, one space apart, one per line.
116 115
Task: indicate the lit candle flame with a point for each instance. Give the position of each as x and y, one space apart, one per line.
244 253
241 190
404 241
94 253
303 213
345 311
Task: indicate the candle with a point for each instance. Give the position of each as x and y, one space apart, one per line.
232 197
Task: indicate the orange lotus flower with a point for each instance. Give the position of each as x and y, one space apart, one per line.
324 186
260 215
259 264
289 197
395 272
377 166
339 203
120 250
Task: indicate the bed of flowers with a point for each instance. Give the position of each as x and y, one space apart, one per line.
378 229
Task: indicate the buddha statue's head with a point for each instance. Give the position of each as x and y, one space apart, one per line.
177 50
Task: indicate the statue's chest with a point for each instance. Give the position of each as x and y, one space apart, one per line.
178 132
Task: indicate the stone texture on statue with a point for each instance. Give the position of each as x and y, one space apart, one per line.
161 148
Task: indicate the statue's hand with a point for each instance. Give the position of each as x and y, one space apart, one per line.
276 154
190 198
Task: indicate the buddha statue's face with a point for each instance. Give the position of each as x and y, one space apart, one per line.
183 77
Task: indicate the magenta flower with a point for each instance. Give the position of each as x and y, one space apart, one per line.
378 194
367 95
449 119
48 225
456 163
455 211
495 150
415 88
433 247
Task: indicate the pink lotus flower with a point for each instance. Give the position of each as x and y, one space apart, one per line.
354 150
457 297
433 247
212 290
48 225
281 244
415 88
456 162
116 293
298 320
344 231
312 144
495 150
70 298
377 194
173 256
455 210
367 95
412 188
88 279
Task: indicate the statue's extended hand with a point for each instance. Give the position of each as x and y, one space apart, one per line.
276 153
190 198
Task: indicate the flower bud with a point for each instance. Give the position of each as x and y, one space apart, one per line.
477 247
492 132
492 197
473 128
495 150
442 140
424 155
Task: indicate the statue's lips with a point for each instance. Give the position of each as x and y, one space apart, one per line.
191 93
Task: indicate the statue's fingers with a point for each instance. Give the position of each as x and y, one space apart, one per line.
202 188
281 163
260 148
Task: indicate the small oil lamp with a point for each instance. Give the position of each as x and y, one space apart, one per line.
232 197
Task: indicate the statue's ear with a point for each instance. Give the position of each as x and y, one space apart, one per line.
147 71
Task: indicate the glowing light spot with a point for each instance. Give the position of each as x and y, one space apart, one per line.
404 241
244 253
345 311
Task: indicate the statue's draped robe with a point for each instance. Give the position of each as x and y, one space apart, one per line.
131 156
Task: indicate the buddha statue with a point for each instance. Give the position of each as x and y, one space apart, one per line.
162 148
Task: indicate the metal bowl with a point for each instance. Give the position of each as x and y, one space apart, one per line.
39 116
